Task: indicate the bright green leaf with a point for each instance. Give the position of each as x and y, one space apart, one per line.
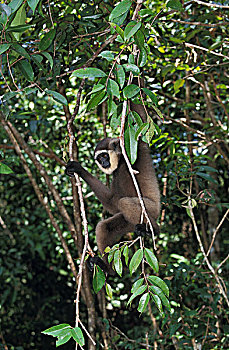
77 335
151 259
151 95
109 290
33 4
88 73
98 279
136 285
118 262
113 88
129 67
15 4
157 291
96 99
4 169
56 330
143 302
126 254
139 291
136 260
108 55
64 338
4 47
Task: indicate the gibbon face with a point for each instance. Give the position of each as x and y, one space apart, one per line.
107 161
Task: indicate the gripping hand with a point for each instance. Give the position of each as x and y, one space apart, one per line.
72 167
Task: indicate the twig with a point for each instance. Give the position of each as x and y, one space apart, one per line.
211 4
223 262
204 49
216 230
203 251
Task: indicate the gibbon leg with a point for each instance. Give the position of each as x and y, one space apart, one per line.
109 231
131 209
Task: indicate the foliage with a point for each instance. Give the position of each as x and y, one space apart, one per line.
49 50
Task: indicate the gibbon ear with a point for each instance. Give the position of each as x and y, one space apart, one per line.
115 146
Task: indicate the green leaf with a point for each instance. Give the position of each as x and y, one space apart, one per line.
49 58
175 5
142 58
178 84
139 291
77 335
120 75
4 169
141 130
63 338
150 131
136 260
131 142
120 9
20 28
126 254
19 19
4 47
88 73
136 285
118 30
33 4
19 49
131 28
151 95
206 177
159 283
130 91
108 55
118 262
129 67
56 330
57 97
157 291
96 99
140 39
157 301
109 290
143 302
96 88
15 4
151 259
98 279
113 88
47 40
115 121
26 69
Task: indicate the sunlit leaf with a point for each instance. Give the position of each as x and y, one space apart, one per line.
143 302
77 335
4 169
151 259
120 9
131 28
157 281
88 73
136 260
131 91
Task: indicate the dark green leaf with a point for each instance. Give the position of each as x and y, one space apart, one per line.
143 302
151 259
157 301
113 88
120 75
131 28
19 49
175 5
19 28
159 283
140 39
206 177
142 58
26 69
57 97
15 4
151 95
47 40
136 260
130 91
88 73
109 291
33 4
77 335
131 68
108 55
96 99
4 47
157 291
141 130
120 9
98 279
126 254
118 30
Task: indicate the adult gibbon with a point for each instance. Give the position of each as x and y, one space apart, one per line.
121 199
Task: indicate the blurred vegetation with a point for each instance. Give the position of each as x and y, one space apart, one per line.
186 45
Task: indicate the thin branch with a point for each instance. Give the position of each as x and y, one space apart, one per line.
209 4
221 289
223 262
204 49
216 230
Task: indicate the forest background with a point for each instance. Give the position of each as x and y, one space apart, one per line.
49 95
